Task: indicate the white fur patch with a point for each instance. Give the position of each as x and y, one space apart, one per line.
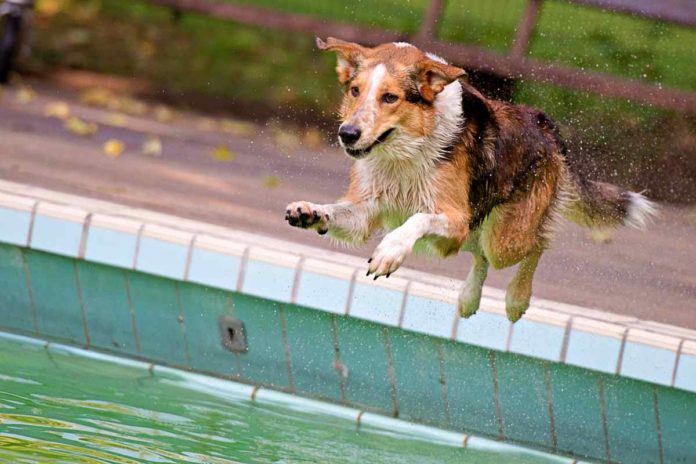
435 57
367 113
641 211
402 44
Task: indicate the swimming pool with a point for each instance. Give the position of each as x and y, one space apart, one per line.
278 317
58 405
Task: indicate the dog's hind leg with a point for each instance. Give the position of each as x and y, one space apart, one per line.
470 294
519 290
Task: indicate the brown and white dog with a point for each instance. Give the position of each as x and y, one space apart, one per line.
440 164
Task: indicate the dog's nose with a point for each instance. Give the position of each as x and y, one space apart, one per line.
349 134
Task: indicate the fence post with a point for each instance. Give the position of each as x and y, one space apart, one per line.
525 28
431 22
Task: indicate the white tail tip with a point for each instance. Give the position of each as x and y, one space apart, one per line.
641 211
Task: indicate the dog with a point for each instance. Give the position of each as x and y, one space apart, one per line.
438 163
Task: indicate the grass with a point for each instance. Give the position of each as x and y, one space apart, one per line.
241 65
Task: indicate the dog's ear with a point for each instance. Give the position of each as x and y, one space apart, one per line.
432 76
349 56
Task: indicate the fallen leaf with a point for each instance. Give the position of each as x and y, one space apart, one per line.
80 127
600 236
241 128
313 138
128 105
152 146
59 110
25 94
97 97
164 114
117 119
113 148
271 181
222 153
207 124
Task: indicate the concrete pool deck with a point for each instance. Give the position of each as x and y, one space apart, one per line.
644 275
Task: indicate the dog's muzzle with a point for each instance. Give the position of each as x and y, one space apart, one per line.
364 151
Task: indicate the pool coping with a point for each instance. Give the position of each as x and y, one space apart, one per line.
220 257
258 394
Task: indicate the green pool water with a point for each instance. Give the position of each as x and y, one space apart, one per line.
62 407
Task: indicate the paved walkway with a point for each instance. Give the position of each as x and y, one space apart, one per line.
650 275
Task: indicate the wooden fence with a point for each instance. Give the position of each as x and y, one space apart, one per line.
515 64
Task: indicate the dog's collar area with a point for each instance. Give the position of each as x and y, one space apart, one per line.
365 151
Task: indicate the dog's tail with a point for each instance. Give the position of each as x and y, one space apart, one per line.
602 205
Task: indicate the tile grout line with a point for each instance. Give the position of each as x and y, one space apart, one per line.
455 324
340 368
404 298
676 361
81 250
83 314
131 310
189 257
286 348
619 361
32 219
296 280
496 395
566 339
603 413
138 239
30 291
351 291
508 341
658 424
182 322
443 380
242 269
231 311
551 409
391 372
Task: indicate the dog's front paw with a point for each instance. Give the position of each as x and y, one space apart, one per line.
307 215
388 256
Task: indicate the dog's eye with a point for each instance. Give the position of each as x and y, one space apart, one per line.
389 98
354 91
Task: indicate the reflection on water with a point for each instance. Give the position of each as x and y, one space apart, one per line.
66 408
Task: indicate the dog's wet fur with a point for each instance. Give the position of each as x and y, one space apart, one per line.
440 164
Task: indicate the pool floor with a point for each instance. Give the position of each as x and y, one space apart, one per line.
62 407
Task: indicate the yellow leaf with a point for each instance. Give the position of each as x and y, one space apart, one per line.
117 119
97 97
128 105
59 110
152 147
113 148
25 95
313 138
207 124
80 127
222 153
164 114
241 128
271 182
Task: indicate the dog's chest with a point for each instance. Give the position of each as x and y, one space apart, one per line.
400 193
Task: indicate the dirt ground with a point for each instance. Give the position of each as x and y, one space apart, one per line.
242 178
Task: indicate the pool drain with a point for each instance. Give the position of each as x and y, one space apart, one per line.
232 334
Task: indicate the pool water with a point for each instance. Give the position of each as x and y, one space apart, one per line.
62 407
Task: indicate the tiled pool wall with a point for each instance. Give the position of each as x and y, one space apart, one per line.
153 287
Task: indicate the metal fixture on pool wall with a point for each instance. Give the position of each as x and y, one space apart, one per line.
233 334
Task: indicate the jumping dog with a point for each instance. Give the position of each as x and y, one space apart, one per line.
438 163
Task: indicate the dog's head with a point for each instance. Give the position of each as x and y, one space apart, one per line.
389 92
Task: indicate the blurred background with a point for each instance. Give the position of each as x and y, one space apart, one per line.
223 110
213 63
